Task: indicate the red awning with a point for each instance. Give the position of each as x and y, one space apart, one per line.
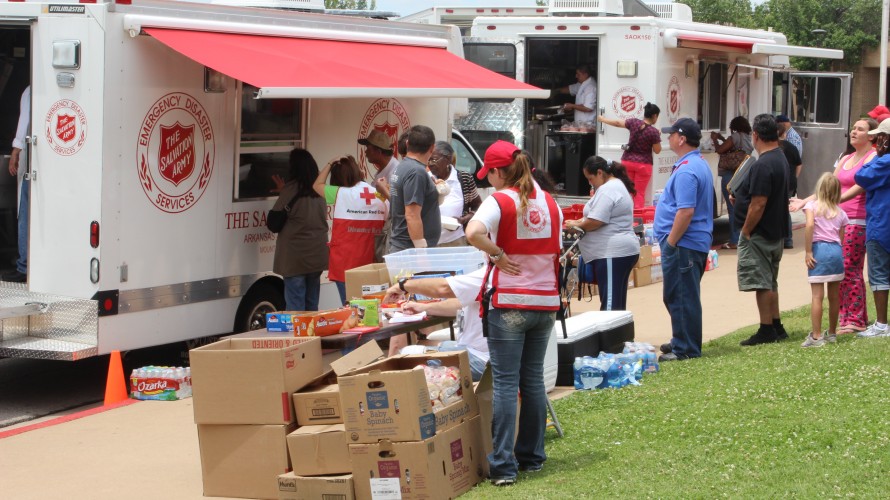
304 67
702 41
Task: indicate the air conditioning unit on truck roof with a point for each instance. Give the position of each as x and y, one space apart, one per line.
157 130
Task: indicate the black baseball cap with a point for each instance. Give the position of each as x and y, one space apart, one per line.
686 127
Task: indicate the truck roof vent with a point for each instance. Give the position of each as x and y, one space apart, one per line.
586 7
671 10
300 5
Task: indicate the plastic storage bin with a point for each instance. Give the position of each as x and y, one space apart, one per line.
460 260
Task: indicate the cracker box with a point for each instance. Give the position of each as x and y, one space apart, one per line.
294 487
367 311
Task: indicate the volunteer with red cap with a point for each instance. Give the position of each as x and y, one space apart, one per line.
520 228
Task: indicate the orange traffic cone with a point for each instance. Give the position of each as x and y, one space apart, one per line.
115 386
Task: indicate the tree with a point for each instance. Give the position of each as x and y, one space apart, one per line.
850 25
727 12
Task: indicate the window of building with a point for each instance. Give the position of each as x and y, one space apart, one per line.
712 98
270 129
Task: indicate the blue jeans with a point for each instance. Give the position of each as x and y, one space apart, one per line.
301 292
24 206
730 209
477 364
341 289
517 342
683 269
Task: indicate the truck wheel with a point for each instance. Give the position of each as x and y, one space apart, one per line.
262 298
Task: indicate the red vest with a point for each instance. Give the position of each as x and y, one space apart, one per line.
533 241
358 218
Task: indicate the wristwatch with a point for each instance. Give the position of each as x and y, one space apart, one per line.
402 284
496 257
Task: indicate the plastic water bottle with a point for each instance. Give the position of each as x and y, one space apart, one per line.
592 374
613 373
577 365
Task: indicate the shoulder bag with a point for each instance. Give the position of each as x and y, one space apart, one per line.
730 161
277 218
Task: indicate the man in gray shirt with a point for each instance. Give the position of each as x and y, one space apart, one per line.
414 200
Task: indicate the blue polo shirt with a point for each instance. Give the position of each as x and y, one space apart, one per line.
874 178
689 186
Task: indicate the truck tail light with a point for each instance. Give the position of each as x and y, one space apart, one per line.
94 270
94 234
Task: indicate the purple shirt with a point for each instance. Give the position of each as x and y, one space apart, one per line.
639 146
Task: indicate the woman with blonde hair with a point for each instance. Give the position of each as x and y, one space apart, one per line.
520 228
824 257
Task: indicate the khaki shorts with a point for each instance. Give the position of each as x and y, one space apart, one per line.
759 263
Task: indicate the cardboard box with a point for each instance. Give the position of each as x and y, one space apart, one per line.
294 487
243 460
316 450
250 380
443 466
645 256
390 399
319 402
372 275
321 323
280 322
642 276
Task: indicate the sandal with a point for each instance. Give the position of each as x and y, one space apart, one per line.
729 246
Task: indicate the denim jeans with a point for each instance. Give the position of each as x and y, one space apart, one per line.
730 209
24 207
683 269
301 292
341 289
517 342
477 364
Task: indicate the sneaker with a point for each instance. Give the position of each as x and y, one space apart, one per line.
504 481
873 331
781 334
830 338
811 342
666 348
763 336
531 468
15 277
670 356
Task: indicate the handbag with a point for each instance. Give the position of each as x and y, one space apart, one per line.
740 176
277 218
730 161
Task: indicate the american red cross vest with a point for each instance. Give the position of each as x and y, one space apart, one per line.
358 218
532 240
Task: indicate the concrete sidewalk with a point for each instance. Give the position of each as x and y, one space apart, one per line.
149 449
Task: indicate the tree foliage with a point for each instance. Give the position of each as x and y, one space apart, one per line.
850 25
351 4
727 12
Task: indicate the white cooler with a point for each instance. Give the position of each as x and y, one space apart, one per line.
588 334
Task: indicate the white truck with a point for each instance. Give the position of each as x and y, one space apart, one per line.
156 129
640 52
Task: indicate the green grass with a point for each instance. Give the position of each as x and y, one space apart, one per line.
755 422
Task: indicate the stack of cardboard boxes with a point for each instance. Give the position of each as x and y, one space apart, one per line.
642 274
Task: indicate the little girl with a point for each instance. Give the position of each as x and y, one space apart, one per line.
824 257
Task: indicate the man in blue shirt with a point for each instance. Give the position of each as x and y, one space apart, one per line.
684 225
874 178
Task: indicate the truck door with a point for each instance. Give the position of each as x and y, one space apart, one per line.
66 155
819 107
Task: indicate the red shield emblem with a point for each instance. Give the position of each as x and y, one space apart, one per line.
675 101
628 103
65 127
391 131
176 154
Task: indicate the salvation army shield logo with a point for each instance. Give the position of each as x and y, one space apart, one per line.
534 221
628 103
66 127
175 152
673 99
387 116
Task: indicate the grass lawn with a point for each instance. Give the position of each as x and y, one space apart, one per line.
754 422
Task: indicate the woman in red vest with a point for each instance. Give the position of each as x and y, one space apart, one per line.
358 217
520 228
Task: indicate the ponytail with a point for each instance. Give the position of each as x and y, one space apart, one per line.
519 175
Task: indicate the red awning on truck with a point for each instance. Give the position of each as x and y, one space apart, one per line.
722 42
288 67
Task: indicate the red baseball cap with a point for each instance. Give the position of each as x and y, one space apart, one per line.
498 155
878 111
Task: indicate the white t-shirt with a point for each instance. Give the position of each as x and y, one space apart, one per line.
453 206
612 205
585 95
466 288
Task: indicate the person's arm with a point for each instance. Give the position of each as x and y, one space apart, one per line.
798 169
611 121
854 191
725 147
319 184
446 308
14 161
656 148
808 239
18 143
755 213
587 224
477 235
415 225
795 204
431 287
382 186
681 223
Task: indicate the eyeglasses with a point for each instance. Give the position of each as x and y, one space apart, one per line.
436 159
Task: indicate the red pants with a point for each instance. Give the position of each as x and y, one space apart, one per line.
853 310
640 174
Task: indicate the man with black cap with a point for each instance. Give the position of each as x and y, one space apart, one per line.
379 152
761 209
684 225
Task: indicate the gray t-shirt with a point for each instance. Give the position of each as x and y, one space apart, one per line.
612 205
411 184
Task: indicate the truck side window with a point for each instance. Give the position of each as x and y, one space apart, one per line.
497 57
828 100
466 162
270 129
712 95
